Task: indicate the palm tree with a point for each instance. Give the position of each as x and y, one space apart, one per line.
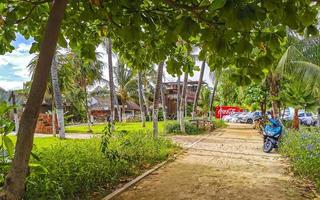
124 77
299 95
214 76
178 98
107 43
183 103
58 99
88 73
195 103
163 102
302 61
156 99
143 116
149 79
61 80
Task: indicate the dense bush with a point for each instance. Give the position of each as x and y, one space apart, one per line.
74 168
303 149
174 128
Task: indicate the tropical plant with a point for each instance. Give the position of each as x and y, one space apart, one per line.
299 95
195 103
183 103
87 73
6 146
142 110
61 80
302 61
107 43
156 99
124 77
214 76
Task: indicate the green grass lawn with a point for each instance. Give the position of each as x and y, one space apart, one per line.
43 142
124 126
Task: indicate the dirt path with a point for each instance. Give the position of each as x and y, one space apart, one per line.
228 164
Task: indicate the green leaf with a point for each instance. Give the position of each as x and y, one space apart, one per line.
217 4
38 167
9 145
34 48
62 41
35 156
202 54
205 3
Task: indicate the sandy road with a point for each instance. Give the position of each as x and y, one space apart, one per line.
227 164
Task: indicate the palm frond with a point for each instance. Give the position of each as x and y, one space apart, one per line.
302 61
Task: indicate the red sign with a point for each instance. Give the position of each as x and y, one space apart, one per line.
226 110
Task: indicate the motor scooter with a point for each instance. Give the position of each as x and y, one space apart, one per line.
271 134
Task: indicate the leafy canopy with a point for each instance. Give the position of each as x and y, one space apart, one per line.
246 32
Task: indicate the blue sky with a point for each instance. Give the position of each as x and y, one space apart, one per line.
13 71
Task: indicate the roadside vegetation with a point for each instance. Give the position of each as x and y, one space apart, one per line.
70 169
302 148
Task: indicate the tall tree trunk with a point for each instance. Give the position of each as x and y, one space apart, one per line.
53 118
123 114
318 120
146 102
296 119
15 113
142 113
57 98
183 103
116 102
195 103
212 96
87 108
163 103
14 187
178 99
156 99
263 109
111 84
273 80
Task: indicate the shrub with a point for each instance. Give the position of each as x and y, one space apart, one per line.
219 123
174 128
74 168
303 149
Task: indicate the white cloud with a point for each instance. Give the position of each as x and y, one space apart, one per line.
13 66
11 85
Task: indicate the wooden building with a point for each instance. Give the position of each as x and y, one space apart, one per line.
171 95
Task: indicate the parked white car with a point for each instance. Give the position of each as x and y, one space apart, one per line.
235 118
307 118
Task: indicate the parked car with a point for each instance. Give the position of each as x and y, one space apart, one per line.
307 118
236 117
250 117
287 117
